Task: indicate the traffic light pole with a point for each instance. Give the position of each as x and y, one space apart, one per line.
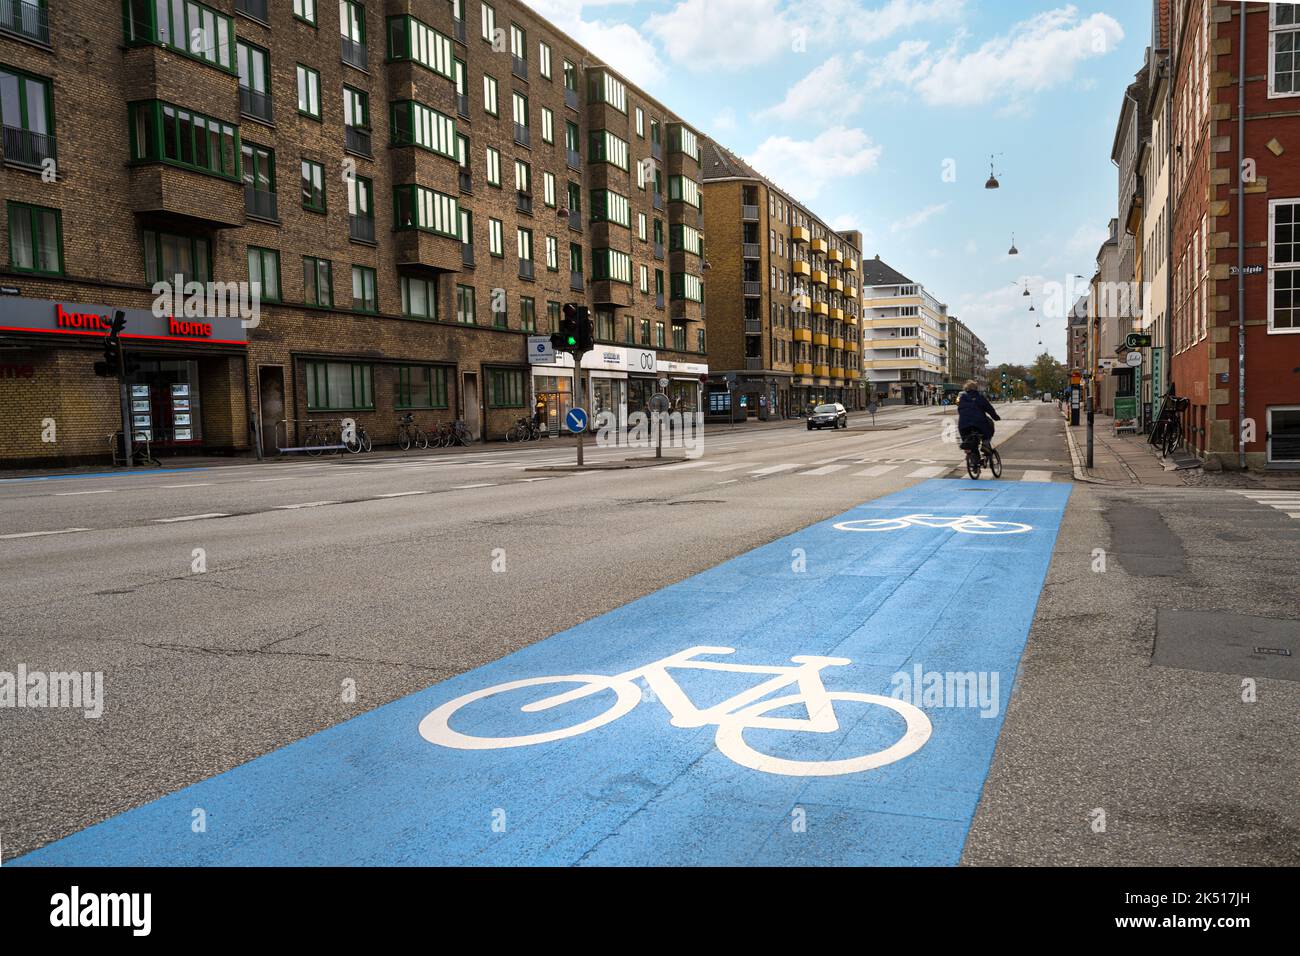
125 402
577 392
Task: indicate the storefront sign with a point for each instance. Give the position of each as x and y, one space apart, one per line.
639 361
683 368
46 317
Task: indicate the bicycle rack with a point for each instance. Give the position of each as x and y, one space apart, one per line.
281 449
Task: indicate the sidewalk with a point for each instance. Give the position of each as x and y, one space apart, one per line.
1117 459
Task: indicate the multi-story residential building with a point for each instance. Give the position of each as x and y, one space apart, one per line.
414 187
1125 301
1235 192
905 337
784 297
1108 317
1076 336
1153 167
967 356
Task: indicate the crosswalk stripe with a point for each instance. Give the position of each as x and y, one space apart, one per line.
689 464
875 471
214 514
824 470
930 471
1036 476
724 468
775 469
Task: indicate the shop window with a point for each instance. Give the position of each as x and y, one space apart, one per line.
264 272
35 239
339 386
318 281
167 255
419 386
505 388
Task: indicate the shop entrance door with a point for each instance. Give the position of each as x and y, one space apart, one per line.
1284 436
270 408
469 394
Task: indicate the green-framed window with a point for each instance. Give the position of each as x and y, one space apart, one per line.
548 125
608 148
416 41
27 104
572 137
165 133
604 87
699 341
659 335
609 206
686 238
318 281
493 167
679 338
519 108
505 387
259 167
687 286
364 297
35 239
645 331
361 197
352 21
254 67
490 102
684 141
496 244
420 386
313 186
552 254
684 189
308 91
356 108
415 124
544 59
553 310
612 265
305 10
465 306
527 313
418 207
488 21
575 197
339 386
194 29
167 255
570 76
264 271
420 298
548 189
575 258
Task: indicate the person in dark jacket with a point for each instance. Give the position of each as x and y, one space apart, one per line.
976 411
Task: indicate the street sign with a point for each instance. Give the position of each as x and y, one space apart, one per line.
1247 271
1137 340
1133 359
540 350
576 420
663 383
659 402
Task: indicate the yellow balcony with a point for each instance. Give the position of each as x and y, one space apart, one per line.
836 285
850 264
837 343
800 234
851 291
822 371
837 314
803 335
821 308
803 368
821 338
819 245
801 268
837 372
835 255
820 277
800 303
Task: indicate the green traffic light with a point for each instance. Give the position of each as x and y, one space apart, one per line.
572 340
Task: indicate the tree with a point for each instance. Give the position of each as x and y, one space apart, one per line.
1048 374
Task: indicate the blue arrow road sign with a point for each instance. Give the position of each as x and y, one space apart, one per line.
576 420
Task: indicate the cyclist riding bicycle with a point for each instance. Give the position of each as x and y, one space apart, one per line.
975 413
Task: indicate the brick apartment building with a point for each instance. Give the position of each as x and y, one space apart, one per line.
968 356
1209 235
784 298
417 185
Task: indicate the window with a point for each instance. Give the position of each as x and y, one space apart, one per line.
264 273
553 310
505 388
544 60
308 92
419 386
645 331
570 76
489 95
1284 265
605 88
419 298
167 255
609 206
527 313
524 241
612 265
493 167
161 132
518 42
687 286
417 124
352 22
640 175
414 40
608 148
684 189
489 22
659 335
35 239
640 122
356 109
571 137
339 385
548 188
575 258
254 80
645 279
259 176
361 194
305 10
496 245
26 109
552 254
465 305
523 177
318 281
1284 52
313 186
685 141
640 226
467 230
191 28
687 238
418 207
548 126
519 108
363 290
699 343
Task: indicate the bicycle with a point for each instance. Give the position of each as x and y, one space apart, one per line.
314 439
459 434
524 429
1167 432
409 433
979 455
966 524
746 710
360 440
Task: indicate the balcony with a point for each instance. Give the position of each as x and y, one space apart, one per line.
361 228
573 159
752 289
523 136
658 201
576 283
261 204
656 150
819 245
850 264
821 308
466 181
801 268
357 140
462 104
748 213
519 66
255 104
354 54
525 268
851 292
837 314
659 251
421 250
194 199
803 368
800 234
458 30
30 21
524 202
751 250
570 98
467 254
837 343
821 338
822 371
753 326
22 147
835 255
835 285
802 335
820 277
575 221
257 9
753 363
837 372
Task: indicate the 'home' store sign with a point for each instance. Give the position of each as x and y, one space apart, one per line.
43 317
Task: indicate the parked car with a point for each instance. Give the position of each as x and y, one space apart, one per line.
828 416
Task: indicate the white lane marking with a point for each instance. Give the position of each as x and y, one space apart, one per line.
401 494
720 469
305 504
489 484
875 472
827 461
690 464
1036 476
39 534
192 484
547 478
212 514
286 478
931 471
776 469
68 494
824 470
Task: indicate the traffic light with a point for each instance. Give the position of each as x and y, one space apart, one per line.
586 332
1136 340
114 359
576 335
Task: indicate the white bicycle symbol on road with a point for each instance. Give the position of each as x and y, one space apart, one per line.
733 717
966 524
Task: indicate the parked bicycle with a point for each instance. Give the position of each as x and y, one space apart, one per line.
524 429
459 434
359 440
1167 432
409 433
979 455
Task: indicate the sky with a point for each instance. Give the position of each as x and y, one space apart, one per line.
882 116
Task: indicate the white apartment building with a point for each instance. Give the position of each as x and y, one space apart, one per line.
1156 225
904 337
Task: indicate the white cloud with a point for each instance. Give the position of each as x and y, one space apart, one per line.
1001 317
1087 239
724 122
918 218
806 166
1036 55
621 45
830 91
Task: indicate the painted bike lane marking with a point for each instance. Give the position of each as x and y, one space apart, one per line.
685 727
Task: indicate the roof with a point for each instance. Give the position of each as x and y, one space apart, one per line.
877 272
718 162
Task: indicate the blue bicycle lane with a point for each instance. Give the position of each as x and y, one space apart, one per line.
914 600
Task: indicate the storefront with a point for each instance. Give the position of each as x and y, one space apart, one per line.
184 390
614 379
685 384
